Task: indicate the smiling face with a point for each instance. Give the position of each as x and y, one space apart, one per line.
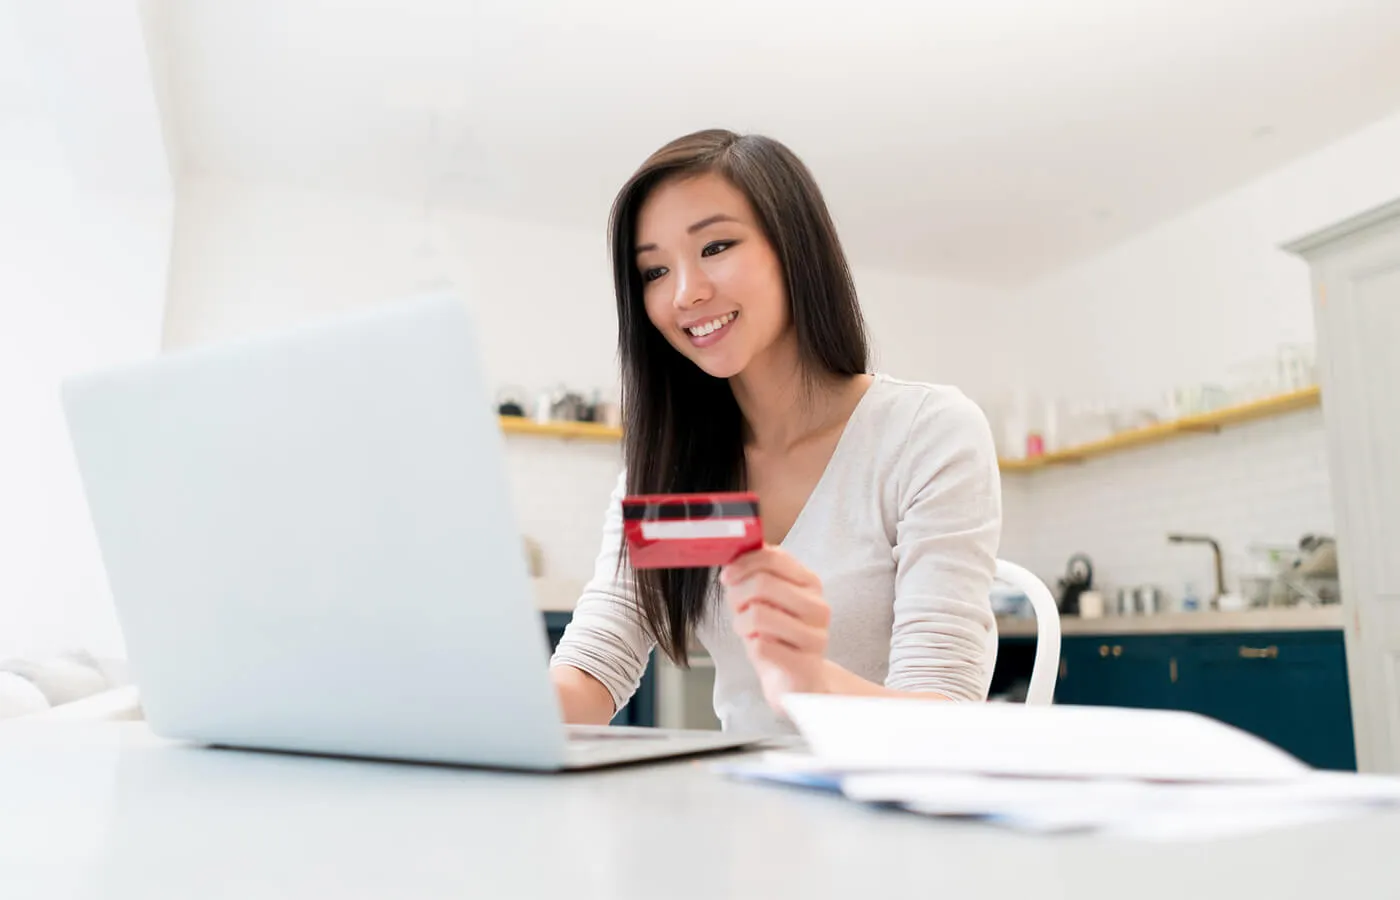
711 281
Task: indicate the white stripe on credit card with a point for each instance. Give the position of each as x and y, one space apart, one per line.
681 529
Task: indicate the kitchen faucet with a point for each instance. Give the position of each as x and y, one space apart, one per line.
1215 547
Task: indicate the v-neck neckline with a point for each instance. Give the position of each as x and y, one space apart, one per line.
825 476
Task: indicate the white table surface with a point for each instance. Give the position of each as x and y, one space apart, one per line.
108 811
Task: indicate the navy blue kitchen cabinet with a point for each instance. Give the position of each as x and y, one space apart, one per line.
1120 671
1289 688
641 709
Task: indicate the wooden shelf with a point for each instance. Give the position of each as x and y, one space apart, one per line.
1152 434
586 431
1164 431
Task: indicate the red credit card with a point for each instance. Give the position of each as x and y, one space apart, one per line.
686 531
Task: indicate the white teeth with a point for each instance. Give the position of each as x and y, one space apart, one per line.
713 326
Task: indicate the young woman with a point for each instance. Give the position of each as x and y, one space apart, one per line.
744 366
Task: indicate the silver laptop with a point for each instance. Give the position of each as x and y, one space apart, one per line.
311 547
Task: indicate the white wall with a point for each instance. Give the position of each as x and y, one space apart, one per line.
942 331
82 278
253 256
85 217
1187 300
1184 303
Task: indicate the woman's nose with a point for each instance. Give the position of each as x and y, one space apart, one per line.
693 287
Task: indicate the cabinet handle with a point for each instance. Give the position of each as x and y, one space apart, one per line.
1269 652
1064 667
1103 649
1117 650
1173 669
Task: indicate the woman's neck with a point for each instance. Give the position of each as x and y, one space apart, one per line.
782 408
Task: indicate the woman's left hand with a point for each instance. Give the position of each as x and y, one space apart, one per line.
782 618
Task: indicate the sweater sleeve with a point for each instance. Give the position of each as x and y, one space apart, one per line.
945 550
606 637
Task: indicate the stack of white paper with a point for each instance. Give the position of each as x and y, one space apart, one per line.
1146 774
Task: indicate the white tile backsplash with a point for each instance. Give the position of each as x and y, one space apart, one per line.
560 490
1265 482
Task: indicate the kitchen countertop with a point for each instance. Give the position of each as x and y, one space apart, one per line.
1321 618
560 595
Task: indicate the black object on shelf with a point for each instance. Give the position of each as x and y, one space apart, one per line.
508 402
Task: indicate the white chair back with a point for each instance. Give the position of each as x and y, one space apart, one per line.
1046 667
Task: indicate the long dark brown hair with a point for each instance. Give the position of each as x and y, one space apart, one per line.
684 431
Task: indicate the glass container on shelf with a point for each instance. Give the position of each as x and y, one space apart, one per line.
1017 426
1290 367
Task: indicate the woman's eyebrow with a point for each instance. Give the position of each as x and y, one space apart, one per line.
703 223
710 220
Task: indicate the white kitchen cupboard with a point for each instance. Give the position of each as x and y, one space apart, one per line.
1356 300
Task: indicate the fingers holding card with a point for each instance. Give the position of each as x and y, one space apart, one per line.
777 604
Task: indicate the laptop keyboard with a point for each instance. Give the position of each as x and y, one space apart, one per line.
589 735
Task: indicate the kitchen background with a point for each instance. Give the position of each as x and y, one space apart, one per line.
1042 205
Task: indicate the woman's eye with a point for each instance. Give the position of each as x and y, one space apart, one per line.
716 247
650 275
